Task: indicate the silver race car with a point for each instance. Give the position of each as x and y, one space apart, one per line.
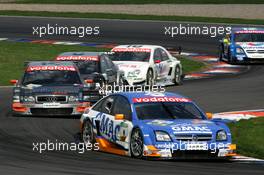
49 88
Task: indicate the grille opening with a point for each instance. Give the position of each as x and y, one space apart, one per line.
50 99
51 111
193 137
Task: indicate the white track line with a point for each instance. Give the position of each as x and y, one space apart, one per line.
240 158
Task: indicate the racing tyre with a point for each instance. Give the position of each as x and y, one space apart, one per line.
136 144
177 77
150 78
88 135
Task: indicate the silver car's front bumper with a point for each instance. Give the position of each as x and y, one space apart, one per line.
49 109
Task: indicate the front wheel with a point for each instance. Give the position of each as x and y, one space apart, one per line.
88 135
136 143
150 78
177 77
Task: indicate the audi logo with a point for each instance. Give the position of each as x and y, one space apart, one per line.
51 99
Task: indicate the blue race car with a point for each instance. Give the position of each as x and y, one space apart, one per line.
243 45
160 125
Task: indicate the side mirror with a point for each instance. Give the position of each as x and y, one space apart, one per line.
209 115
119 117
157 61
14 82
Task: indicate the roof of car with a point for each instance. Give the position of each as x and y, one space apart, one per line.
50 63
81 53
138 46
235 29
131 95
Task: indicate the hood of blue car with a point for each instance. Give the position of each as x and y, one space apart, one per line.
40 90
183 126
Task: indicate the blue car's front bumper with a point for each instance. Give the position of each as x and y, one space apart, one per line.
190 150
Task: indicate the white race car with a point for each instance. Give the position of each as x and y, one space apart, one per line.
147 64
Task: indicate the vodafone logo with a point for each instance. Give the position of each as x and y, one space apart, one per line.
160 99
77 58
131 50
62 68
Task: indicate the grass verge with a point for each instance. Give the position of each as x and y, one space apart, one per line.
14 54
133 17
142 1
248 135
191 65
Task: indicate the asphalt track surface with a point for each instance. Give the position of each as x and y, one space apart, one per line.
113 31
239 92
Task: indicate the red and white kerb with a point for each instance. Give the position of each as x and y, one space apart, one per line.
50 68
160 99
131 50
77 58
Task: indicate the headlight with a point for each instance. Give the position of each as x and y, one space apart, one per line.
134 73
137 72
86 97
97 85
239 51
29 99
221 136
73 99
162 136
91 97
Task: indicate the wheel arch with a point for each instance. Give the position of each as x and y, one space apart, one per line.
86 119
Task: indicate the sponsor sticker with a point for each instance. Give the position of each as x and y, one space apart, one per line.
128 66
196 146
160 122
77 58
188 128
50 68
51 105
250 31
131 50
160 99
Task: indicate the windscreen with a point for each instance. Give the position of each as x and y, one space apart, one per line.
48 77
167 110
249 37
130 56
87 67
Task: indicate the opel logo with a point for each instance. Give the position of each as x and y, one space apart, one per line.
194 137
51 99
